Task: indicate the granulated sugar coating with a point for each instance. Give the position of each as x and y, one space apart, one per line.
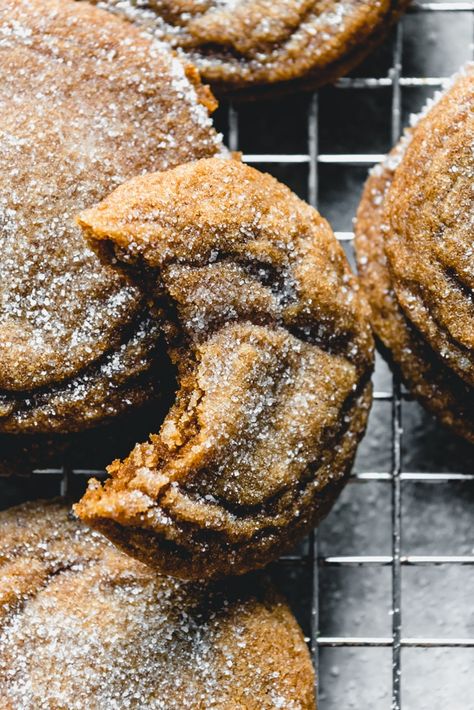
415 252
85 626
271 339
86 101
267 46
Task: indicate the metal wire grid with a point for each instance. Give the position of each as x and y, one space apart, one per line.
313 158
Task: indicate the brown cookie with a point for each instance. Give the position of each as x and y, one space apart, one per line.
414 249
86 101
255 47
273 349
82 625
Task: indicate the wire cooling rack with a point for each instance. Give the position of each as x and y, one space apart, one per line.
307 169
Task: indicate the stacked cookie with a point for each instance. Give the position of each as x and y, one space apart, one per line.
83 625
273 349
414 248
258 48
86 101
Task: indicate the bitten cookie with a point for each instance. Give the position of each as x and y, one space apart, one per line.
83 625
86 101
250 48
272 345
414 248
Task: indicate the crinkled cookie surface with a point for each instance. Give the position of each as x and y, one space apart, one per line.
271 340
86 102
83 625
254 46
414 243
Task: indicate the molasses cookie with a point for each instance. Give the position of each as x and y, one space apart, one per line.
414 248
255 47
272 345
86 101
83 625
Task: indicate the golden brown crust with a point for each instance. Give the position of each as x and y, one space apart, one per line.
414 251
271 340
86 101
260 47
83 625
